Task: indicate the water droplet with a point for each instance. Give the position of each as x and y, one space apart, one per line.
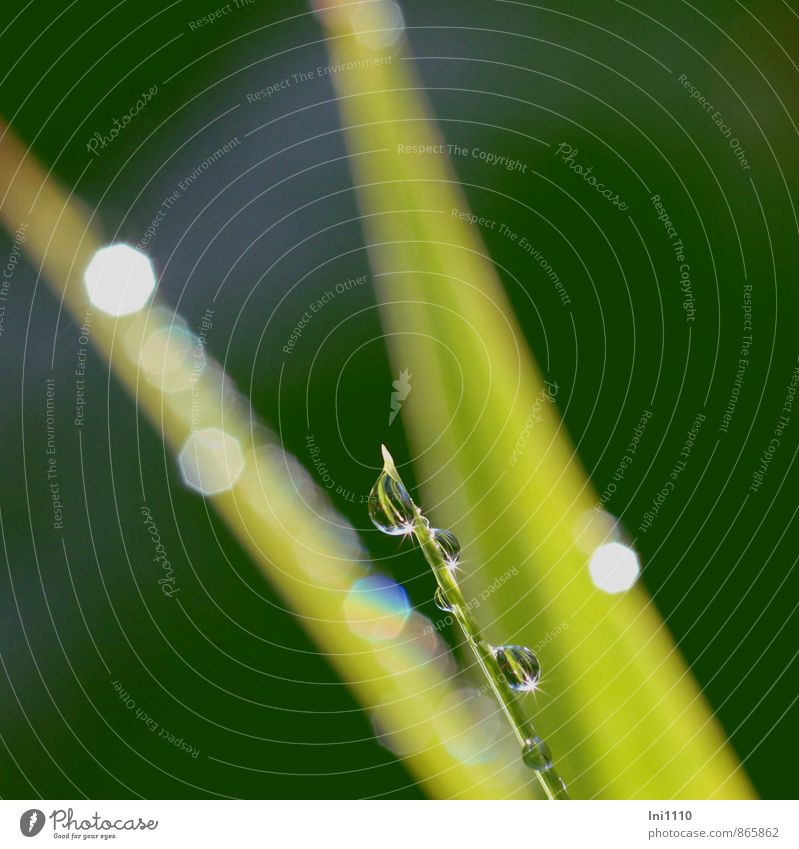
536 755
391 508
449 545
441 600
519 666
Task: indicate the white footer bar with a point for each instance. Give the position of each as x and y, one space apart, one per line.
400 825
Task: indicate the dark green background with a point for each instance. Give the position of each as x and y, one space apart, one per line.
603 77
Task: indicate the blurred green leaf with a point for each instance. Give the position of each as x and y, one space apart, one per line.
623 715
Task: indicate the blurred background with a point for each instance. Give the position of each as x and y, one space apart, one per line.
272 224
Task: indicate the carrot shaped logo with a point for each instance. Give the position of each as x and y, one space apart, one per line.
402 389
31 822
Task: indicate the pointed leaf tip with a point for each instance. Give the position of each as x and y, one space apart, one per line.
388 463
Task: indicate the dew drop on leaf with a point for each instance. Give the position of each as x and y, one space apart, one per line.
448 544
390 506
441 600
520 667
536 754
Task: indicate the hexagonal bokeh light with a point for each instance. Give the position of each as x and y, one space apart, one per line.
171 358
481 721
119 280
211 461
614 567
378 23
376 608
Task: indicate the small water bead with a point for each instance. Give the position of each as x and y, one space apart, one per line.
393 512
536 755
561 792
448 545
520 667
390 506
441 600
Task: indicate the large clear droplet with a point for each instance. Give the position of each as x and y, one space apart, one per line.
391 508
448 544
441 600
536 755
519 666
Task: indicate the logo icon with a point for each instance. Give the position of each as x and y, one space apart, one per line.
402 387
31 822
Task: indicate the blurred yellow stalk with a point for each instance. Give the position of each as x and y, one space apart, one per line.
278 514
622 714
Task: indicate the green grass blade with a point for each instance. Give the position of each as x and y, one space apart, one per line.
279 515
619 707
